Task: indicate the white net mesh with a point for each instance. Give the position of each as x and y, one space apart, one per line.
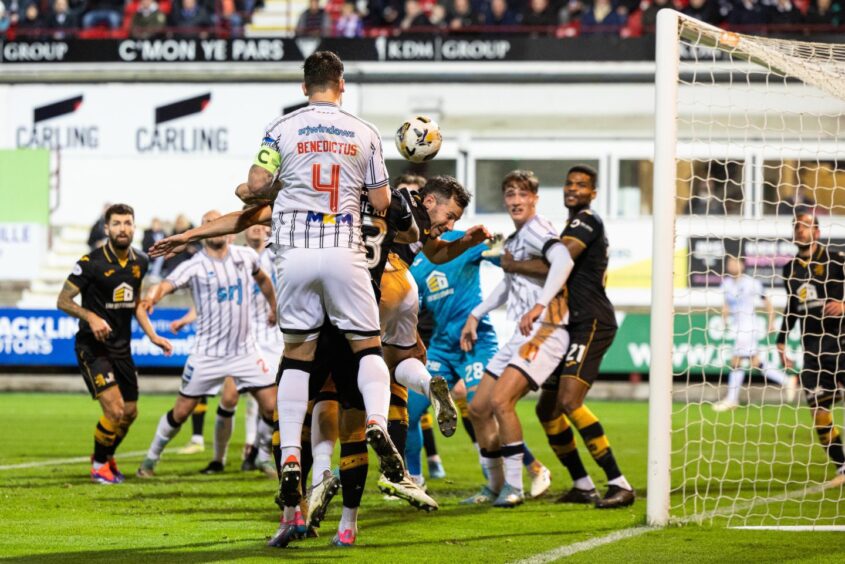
758 127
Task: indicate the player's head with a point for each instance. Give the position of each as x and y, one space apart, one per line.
580 187
734 265
215 243
323 74
256 236
520 190
805 229
445 200
412 182
120 225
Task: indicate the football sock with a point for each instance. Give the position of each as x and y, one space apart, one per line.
491 462
512 454
348 519
264 439
735 380
353 463
527 456
562 440
252 417
104 437
277 450
413 450
593 434
829 435
292 402
774 375
322 453
397 424
374 385
224 423
429 443
468 427
585 483
306 460
324 426
413 374
166 430
621 482
119 434
398 432
198 417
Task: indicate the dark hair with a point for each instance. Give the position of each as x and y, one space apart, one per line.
410 178
523 178
585 169
119 209
323 69
445 188
801 212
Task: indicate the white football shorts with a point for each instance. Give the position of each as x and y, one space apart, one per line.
333 281
204 375
536 356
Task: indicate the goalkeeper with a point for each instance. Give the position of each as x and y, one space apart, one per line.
814 285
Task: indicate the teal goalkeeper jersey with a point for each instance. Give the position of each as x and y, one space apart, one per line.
450 291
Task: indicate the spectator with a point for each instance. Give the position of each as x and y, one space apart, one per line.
825 13
571 11
181 225
152 236
62 19
190 16
314 21
704 10
462 15
539 13
349 22
784 13
704 201
5 21
649 18
439 17
97 236
148 20
498 14
601 17
747 13
230 16
414 18
31 20
103 12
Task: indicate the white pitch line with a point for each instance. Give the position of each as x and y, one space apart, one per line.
60 461
570 549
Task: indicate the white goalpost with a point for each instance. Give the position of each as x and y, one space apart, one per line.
747 133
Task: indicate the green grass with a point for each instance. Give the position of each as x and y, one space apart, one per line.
53 513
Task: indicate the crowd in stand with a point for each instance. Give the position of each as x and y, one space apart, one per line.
350 18
122 18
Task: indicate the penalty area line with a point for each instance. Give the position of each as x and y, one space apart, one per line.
60 461
570 549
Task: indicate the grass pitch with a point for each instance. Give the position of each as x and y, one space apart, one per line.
52 513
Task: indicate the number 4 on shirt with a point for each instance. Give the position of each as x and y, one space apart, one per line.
332 187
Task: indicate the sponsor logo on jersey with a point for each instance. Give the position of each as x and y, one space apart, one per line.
330 218
234 293
181 139
322 129
122 296
437 281
53 136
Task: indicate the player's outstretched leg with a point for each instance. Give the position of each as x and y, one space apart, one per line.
353 474
197 442
511 386
105 437
412 374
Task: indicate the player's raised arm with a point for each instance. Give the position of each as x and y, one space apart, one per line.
261 185
538 268
439 251
407 230
229 224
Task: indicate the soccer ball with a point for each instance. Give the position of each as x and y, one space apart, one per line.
419 139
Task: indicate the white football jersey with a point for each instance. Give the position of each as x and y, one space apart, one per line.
527 243
323 156
741 297
265 334
221 291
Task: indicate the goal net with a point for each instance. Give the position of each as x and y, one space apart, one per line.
747 132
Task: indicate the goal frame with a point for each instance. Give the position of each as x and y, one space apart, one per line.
667 65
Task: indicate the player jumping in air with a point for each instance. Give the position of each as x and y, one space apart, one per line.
109 279
532 353
815 281
741 293
592 327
